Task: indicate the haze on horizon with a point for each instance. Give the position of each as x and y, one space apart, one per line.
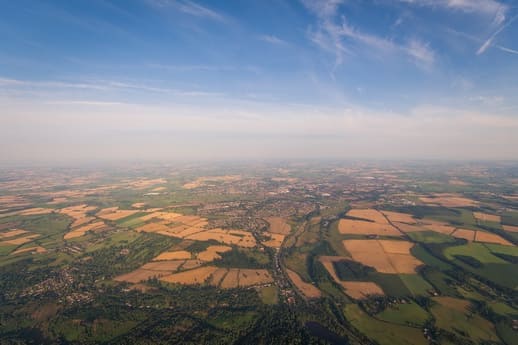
180 79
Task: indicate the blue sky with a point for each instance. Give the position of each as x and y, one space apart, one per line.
166 79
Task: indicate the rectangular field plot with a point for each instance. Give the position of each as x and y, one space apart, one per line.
384 255
359 227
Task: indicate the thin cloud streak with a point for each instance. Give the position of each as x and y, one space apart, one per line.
88 103
332 37
101 86
493 8
189 7
272 39
507 50
480 41
490 40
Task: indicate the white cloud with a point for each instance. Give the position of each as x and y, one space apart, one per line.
507 50
420 51
489 42
91 103
272 39
332 31
485 44
323 8
335 38
495 9
189 7
488 100
99 85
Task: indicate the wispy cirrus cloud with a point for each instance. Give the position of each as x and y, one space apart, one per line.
334 34
98 85
492 8
6 82
189 7
487 43
323 8
483 43
507 50
206 68
420 51
272 39
86 103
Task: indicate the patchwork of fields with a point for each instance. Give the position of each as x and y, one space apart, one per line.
361 255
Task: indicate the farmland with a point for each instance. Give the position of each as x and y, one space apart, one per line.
384 255
237 254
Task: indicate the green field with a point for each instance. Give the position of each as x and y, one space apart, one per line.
384 333
506 333
335 239
269 295
476 250
119 238
503 309
409 314
430 237
132 221
510 218
422 254
440 281
415 284
392 284
100 329
498 248
298 262
232 319
463 323
6 249
464 293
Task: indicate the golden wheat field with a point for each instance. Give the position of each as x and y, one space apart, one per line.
409 228
486 217
486 237
278 225
212 253
36 249
116 214
368 214
510 228
361 290
275 240
12 233
307 289
449 200
359 227
20 240
468 235
167 265
399 217
141 274
441 228
250 277
35 211
218 276
83 229
385 256
176 255
195 276
230 280
237 237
